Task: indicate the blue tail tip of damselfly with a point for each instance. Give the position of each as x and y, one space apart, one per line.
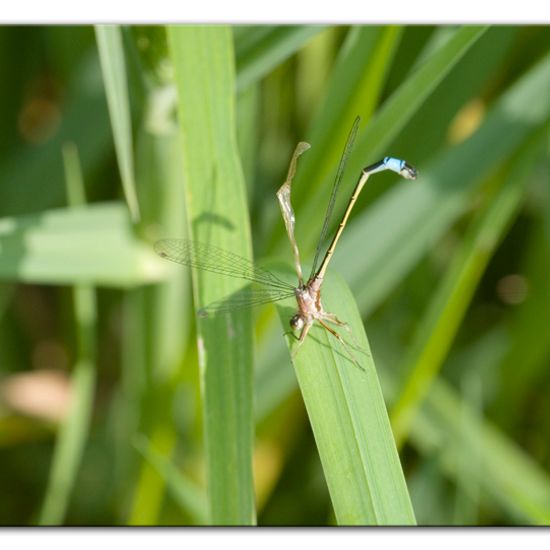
401 167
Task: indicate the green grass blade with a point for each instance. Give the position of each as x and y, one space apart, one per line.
459 93
150 487
355 85
111 55
127 409
162 197
163 312
401 226
74 430
248 132
216 201
526 359
406 100
184 491
404 223
450 301
452 431
36 248
349 420
505 473
259 51
385 124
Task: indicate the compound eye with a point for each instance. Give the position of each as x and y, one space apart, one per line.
296 323
408 172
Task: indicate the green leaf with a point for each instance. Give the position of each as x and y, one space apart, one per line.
387 122
74 429
448 428
406 100
111 55
216 202
184 491
354 89
349 418
452 297
259 50
67 246
403 224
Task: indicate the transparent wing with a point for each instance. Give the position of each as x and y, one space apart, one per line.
335 186
217 260
245 298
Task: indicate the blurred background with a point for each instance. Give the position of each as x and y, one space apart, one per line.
100 405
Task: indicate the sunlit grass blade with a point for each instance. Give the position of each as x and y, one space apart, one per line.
74 429
388 121
37 248
457 106
185 492
216 210
111 55
151 484
162 196
247 132
127 410
402 226
451 298
406 100
163 312
259 50
507 475
354 89
349 419
420 212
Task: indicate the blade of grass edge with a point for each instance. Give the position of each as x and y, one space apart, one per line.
385 124
425 210
354 89
257 59
35 248
349 420
446 426
217 214
450 300
441 193
189 497
74 428
113 67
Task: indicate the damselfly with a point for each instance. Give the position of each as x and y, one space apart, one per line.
268 287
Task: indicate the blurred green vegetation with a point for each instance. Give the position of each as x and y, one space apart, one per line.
105 415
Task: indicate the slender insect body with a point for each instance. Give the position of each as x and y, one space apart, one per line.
308 295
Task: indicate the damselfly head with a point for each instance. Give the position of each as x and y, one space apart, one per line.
297 322
408 172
